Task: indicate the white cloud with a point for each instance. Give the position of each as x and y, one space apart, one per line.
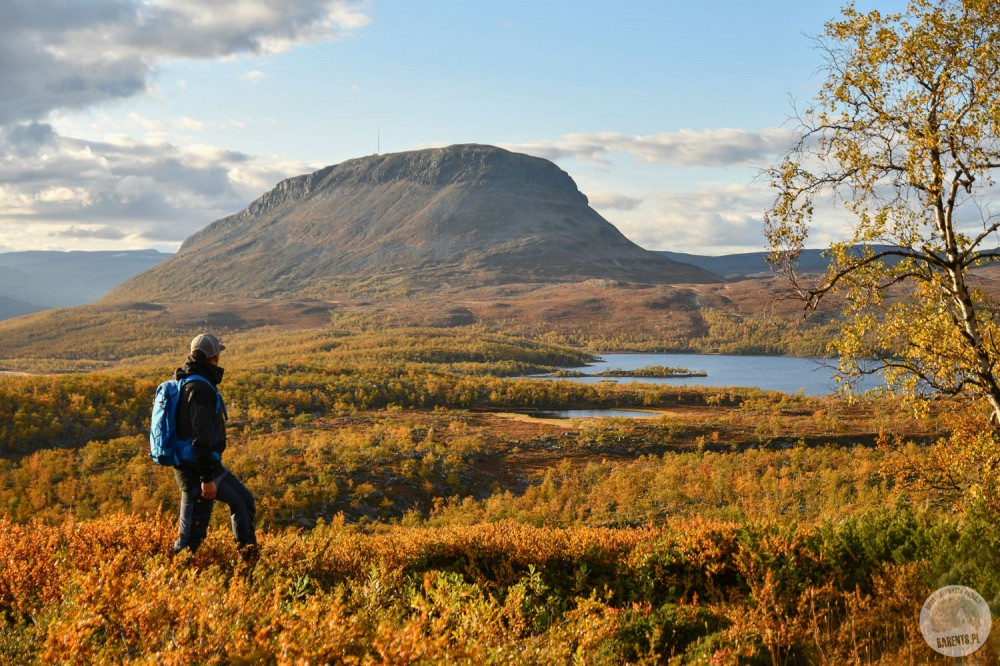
15 203
349 16
59 57
63 195
718 219
67 55
147 124
612 201
689 148
186 123
95 232
253 76
130 192
711 220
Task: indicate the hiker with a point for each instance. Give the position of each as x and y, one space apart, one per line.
201 418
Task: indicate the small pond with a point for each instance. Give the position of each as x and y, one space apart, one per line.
592 413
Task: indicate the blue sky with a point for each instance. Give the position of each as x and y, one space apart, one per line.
129 124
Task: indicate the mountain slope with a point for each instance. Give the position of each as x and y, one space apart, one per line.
456 217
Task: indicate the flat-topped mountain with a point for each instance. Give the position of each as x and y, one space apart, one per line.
461 216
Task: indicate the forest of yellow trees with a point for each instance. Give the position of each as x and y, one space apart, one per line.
407 513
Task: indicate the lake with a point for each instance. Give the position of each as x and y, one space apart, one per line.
788 374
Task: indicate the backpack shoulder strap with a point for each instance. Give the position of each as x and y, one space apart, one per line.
185 380
220 405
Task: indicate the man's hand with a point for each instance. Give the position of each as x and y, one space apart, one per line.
208 490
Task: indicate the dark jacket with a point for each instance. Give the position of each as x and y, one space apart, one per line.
199 418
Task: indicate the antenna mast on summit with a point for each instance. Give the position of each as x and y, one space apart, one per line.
378 141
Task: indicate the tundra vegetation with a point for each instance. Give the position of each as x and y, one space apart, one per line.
407 516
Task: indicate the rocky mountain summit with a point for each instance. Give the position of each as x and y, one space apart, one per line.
446 218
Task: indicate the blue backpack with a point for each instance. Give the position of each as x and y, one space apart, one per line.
164 446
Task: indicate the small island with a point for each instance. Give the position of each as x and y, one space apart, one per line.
650 371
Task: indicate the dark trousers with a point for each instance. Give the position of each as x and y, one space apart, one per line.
195 511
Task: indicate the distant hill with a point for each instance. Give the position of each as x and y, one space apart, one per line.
10 307
751 263
448 218
34 281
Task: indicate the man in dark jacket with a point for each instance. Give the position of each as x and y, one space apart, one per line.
201 417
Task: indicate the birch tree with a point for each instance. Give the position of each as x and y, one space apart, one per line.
904 135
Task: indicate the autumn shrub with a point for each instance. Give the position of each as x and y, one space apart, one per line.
107 591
